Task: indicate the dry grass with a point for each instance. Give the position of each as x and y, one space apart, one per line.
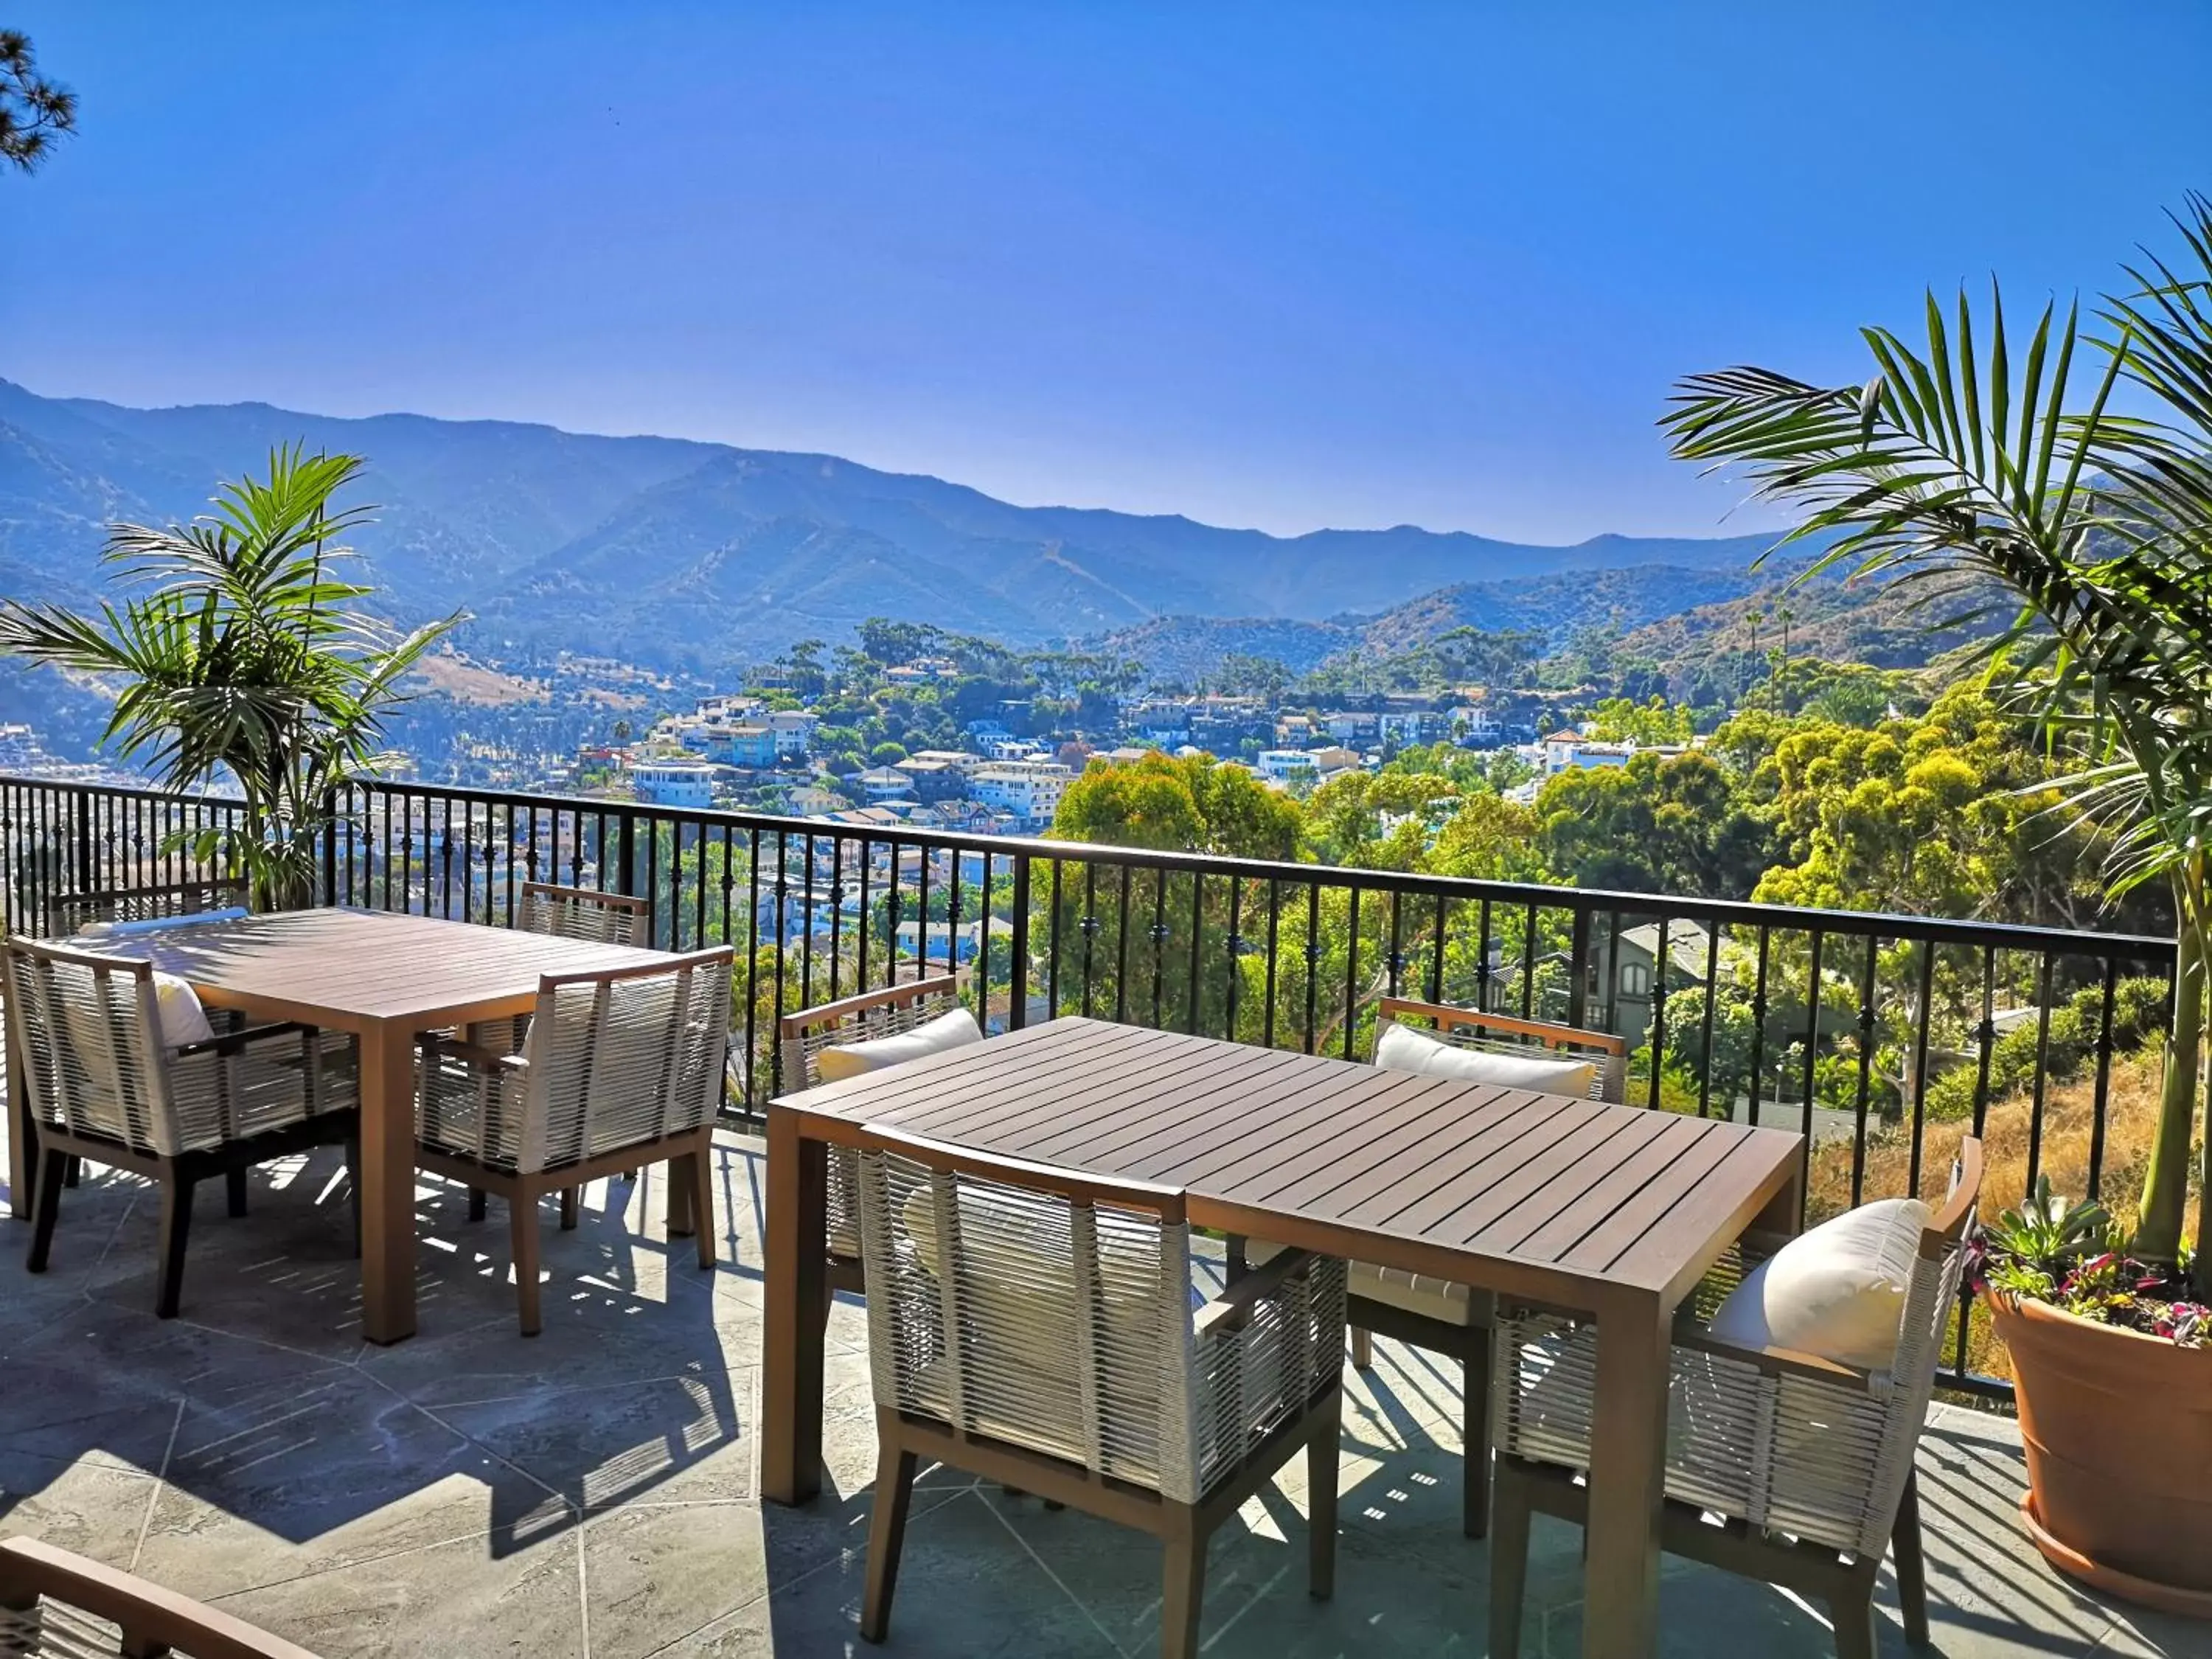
2131 1121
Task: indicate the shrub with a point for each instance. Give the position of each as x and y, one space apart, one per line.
2139 1010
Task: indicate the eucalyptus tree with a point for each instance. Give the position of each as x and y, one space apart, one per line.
240 658
1971 457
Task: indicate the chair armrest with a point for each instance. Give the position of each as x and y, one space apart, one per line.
1777 1362
472 1053
231 1042
1233 1306
153 1619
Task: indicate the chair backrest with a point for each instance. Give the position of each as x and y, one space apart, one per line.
87 1031
859 1019
1929 1299
1034 1306
70 913
1508 1034
623 1056
56 1603
580 912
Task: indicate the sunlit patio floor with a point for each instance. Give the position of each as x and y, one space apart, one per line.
592 1492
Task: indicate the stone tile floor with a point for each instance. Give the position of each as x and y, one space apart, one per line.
592 1492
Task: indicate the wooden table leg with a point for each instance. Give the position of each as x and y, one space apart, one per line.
1627 1482
387 1181
798 1286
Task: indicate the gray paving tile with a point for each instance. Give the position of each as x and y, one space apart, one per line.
461 1598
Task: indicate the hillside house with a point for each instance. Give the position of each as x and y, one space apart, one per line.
883 783
688 785
1027 790
1286 766
933 780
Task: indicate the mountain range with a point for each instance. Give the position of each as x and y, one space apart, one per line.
678 554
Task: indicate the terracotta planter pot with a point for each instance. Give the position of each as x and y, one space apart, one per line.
2118 1432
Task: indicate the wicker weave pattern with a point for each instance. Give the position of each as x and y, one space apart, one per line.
94 1063
1018 1315
1787 1452
802 1068
579 913
72 913
55 1630
610 1061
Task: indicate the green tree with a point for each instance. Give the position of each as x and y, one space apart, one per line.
1619 719
1659 824
33 111
241 656
1950 461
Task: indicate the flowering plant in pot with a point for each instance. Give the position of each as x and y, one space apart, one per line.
2113 1356
1970 462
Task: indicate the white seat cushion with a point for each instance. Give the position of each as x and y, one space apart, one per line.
1403 1049
852 1060
1836 1291
1415 1293
183 1019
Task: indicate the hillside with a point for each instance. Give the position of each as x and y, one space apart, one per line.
1192 648
679 555
1703 649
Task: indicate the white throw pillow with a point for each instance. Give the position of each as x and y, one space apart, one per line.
851 1059
183 1019
1403 1049
1836 1293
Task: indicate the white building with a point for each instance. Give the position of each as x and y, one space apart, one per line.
793 729
1285 766
1029 790
882 783
687 785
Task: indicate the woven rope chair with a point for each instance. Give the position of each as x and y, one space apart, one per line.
55 1605
860 1018
72 913
1034 1327
1436 1315
580 912
1807 1464
622 1067
103 1084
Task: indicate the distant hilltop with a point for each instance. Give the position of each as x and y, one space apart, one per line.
676 554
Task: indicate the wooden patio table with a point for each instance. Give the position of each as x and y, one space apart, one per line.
385 979
1609 1211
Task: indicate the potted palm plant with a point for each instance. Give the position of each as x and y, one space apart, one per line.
242 659
1971 458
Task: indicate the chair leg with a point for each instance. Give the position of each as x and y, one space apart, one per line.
1363 1350
522 1225
895 1469
1321 1503
74 1172
233 1186
572 1204
1856 1635
476 1204
1475 1435
1509 1564
45 1207
176 1225
703 1207
1912 1566
1182 1548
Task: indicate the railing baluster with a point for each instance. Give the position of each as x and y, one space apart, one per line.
1713 999
2104 1077
1197 937
2042 1058
1866 1025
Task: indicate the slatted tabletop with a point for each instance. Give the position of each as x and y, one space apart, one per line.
368 964
1559 1198
1614 1210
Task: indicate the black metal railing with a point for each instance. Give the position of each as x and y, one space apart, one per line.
1875 1036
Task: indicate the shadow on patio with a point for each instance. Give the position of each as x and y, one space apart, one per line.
592 1491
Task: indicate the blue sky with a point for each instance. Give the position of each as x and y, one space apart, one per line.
1264 264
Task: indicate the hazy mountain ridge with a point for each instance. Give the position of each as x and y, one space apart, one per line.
675 553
